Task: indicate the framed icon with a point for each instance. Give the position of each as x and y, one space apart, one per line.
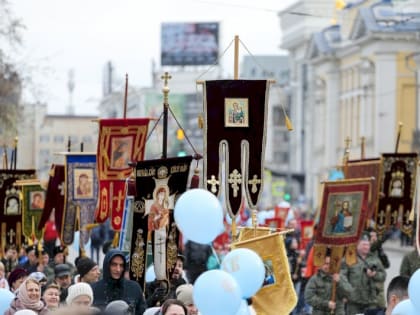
236 112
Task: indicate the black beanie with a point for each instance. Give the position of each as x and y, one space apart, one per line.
84 265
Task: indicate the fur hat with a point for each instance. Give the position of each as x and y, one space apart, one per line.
184 293
84 265
78 289
62 270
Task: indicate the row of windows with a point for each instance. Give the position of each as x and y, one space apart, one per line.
61 139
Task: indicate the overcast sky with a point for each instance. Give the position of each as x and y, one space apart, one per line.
84 34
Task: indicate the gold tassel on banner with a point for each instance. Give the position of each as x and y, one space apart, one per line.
116 240
200 121
289 125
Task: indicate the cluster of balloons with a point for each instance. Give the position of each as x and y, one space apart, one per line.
199 216
411 306
6 298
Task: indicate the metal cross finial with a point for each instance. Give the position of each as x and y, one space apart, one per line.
213 182
166 77
235 178
254 181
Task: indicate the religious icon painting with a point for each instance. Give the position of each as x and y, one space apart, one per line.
121 151
343 211
37 199
236 112
83 183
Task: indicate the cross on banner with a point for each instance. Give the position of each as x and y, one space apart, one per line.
254 181
213 182
235 178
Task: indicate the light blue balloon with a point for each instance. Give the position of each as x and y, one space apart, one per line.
199 215
405 307
216 292
244 308
5 298
414 289
247 267
150 273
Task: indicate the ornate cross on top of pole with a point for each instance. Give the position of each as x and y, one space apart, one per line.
166 77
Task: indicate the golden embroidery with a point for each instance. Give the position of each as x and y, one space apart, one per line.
137 259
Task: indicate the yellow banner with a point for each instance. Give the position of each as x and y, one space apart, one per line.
278 283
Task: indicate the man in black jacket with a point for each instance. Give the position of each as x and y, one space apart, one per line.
114 286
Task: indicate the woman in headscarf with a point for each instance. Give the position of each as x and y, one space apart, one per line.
28 298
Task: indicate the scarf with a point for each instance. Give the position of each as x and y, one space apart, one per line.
23 297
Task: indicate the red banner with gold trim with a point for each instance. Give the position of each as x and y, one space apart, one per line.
121 141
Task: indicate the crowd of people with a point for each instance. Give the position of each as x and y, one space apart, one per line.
355 289
51 285
54 286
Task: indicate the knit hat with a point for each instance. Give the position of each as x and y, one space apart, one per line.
184 293
77 290
16 275
118 307
25 312
84 265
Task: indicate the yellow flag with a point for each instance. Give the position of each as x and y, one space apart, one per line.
278 283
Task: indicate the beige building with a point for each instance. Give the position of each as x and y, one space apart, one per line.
361 83
42 136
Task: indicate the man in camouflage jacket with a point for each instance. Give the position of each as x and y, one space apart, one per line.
319 288
365 277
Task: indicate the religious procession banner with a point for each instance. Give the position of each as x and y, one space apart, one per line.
80 195
121 141
307 232
342 219
234 134
364 169
54 198
11 207
278 282
33 201
397 188
159 183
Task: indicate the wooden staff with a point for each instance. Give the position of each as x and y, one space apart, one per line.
166 77
15 155
398 136
5 162
362 148
236 59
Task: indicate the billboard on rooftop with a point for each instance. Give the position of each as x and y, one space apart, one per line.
189 44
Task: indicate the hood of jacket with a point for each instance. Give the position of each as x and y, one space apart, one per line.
107 263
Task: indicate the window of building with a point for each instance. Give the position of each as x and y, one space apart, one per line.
278 116
58 139
87 139
44 138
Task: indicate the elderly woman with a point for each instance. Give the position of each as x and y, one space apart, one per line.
51 296
28 298
80 296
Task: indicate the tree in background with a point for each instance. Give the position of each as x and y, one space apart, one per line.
10 81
